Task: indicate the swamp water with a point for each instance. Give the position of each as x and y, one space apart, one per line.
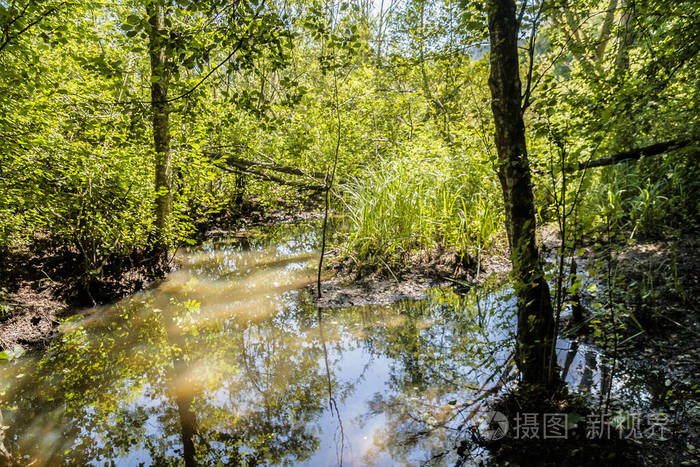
228 361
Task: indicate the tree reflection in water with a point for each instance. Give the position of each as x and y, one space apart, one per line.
228 361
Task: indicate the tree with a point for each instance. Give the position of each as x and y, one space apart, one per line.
160 78
534 354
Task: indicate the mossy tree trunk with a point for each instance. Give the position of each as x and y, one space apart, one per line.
160 79
535 314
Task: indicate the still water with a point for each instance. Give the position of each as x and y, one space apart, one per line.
228 361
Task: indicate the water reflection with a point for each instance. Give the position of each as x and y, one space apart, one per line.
228 361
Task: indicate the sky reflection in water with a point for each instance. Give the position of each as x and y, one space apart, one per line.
229 361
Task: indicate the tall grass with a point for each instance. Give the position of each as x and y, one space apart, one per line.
649 199
421 202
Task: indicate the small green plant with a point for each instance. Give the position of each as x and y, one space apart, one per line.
5 307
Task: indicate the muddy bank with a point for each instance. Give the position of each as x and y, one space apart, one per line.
348 283
260 219
351 285
43 282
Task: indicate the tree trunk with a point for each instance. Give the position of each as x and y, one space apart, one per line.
604 35
380 29
160 78
622 58
535 316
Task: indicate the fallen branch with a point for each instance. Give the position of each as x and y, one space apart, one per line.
271 178
632 155
244 164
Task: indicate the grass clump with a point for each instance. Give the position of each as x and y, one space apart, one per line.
422 200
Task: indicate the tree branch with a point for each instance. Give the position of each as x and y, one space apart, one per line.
632 155
244 164
531 59
9 37
225 60
272 178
